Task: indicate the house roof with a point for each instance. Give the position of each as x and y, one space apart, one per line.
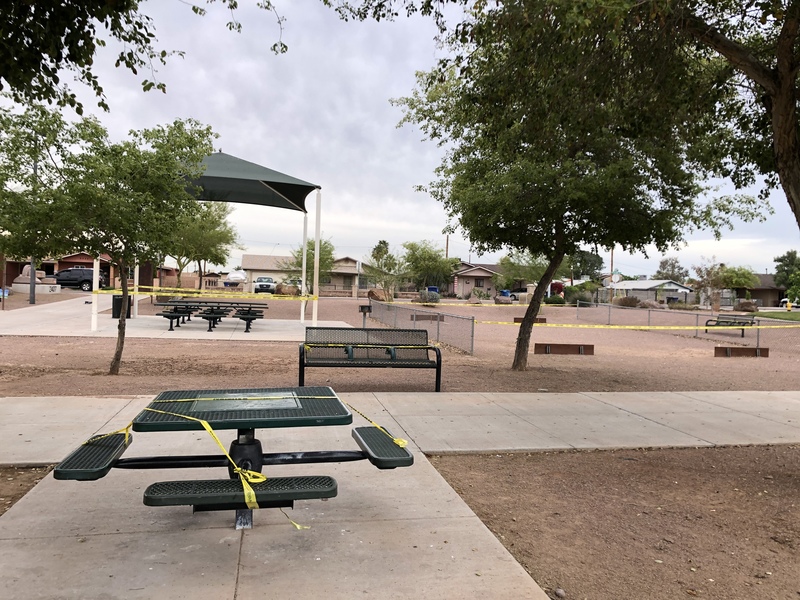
477 270
652 284
767 282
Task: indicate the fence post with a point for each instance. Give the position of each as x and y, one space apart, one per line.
758 334
437 326
648 317
472 338
696 325
413 317
609 315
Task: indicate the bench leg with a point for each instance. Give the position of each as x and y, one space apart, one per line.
170 326
302 375
209 324
438 369
244 518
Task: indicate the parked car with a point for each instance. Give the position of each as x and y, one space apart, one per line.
79 277
264 284
516 292
785 301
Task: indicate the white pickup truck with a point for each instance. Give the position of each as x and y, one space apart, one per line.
264 284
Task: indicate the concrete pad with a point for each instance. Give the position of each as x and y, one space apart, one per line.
402 404
621 430
581 406
440 559
193 564
478 434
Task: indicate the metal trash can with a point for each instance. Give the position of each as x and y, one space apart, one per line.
116 306
433 288
506 293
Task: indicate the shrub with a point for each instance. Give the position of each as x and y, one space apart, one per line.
554 300
629 301
479 293
649 304
746 306
427 297
681 306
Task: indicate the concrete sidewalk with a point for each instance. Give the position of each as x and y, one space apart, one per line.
403 533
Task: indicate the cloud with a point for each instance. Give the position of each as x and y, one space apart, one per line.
321 113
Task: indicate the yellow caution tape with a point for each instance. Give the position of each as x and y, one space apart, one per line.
399 441
126 430
673 327
240 398
245 476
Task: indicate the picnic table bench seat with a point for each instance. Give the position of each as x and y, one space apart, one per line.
387 348
736 321
380 448
94 458
227 494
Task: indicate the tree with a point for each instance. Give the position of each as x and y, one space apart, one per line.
584 264
670 268
733 278
785 266
793 291
33 144
709 282
751 47
42 39
543 156
427 265
123 197
294 265
203 236
383 268
520 266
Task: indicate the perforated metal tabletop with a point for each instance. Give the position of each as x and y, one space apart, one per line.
253 408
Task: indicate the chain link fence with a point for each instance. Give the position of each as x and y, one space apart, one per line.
776 334
454 330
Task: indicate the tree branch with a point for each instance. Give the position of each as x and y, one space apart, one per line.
738 55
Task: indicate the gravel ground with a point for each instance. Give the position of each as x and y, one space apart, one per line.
658 524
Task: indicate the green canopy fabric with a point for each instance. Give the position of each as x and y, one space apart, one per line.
232 179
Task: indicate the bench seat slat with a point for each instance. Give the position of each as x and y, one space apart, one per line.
381 449
229 492
93 459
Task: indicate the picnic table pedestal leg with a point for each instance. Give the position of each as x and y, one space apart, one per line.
246 452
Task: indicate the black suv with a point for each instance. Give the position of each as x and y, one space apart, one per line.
79 277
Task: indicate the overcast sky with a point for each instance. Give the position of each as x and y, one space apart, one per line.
321 113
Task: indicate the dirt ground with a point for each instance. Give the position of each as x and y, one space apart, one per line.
659 524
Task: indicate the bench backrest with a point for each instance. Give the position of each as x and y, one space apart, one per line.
348 336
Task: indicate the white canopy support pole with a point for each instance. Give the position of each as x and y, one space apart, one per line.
303 287
318 226
95 288
135 312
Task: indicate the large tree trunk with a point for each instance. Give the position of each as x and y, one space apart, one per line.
524 337
115 362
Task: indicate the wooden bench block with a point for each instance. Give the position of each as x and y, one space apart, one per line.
584 349
536 320
426 317
737 351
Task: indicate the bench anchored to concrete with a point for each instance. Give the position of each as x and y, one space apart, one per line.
582 349
731 321
369 348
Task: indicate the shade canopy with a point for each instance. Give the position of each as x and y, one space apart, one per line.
232 179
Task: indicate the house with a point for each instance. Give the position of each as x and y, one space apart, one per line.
472 276
344 278
766 293
261 265
652 289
